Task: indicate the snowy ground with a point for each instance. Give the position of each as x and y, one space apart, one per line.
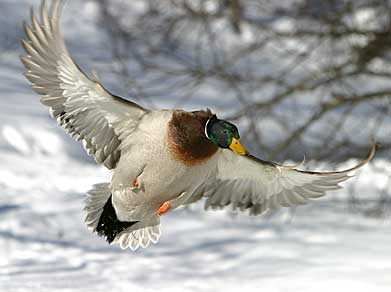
44 245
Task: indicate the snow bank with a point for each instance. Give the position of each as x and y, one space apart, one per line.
44 245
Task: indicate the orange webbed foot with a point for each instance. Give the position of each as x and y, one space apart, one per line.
136 183
163 209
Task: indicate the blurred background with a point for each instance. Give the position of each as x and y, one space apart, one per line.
301 78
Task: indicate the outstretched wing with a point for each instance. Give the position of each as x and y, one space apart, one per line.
246 182
82 106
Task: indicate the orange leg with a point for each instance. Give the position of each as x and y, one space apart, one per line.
163 209
135 183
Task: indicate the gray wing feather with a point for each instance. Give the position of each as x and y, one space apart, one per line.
248 183
82 106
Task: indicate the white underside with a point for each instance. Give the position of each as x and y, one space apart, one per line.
146 158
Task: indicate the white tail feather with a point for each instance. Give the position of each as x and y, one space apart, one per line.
139 234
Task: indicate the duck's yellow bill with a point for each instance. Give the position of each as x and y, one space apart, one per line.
237 147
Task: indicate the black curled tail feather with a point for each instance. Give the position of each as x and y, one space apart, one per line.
109 225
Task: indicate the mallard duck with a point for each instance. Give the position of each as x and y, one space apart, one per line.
160 159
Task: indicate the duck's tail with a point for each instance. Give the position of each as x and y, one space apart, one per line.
102 218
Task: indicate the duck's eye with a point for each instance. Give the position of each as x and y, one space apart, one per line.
225 131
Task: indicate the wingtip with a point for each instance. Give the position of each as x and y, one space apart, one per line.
22 42
43 6
371 154
32 13
374 147
25 25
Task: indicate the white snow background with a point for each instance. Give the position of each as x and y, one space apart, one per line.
44 245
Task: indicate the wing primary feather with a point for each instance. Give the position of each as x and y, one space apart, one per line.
86 109
247 182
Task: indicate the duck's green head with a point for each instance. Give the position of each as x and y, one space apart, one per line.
224 134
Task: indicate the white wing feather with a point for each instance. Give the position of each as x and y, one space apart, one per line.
82 106
246 182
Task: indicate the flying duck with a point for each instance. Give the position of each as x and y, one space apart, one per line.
160 159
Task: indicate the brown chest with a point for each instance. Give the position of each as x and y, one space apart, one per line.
186 138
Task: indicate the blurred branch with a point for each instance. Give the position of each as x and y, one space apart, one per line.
290 65
324 109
